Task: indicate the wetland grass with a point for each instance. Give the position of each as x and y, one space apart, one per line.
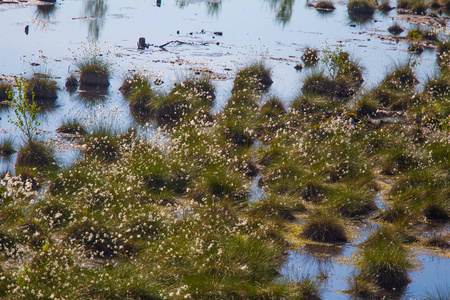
256 78
7 148
325 227
402 78
185 99
384 261
170 216
360 10
36 155
142 103
134 83
102 144
94 74
43 90
367 106
71 126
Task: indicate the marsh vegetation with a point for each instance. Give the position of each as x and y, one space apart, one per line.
188 201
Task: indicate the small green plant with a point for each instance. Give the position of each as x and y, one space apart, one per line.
4 88
335 61
25 110
414 35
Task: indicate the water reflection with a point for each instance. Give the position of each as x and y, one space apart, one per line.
92 97
94 12
283 10
45 11
214 8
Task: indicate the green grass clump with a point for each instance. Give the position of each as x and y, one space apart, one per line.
397 163
309 289
185 100
36 155
7 245
96 239
310 105
102 144
54 214
443 55
367 106
385 6
360 9
352 203
272 109
341 88
217 184
133 84
43 89
323 226
255 78
94 74
141 103
278 207
7 147
71 126
437 87
384 260
401 79
417 34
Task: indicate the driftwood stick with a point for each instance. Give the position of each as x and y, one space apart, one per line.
180 43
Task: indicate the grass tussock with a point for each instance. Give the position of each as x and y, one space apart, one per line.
324 227
42 89
254 78
94 74
36 155
360 9
7 148
384 261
